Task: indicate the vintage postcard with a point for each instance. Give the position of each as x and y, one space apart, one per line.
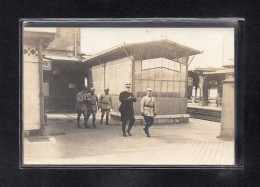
128 96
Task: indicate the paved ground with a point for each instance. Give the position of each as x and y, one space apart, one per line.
175 144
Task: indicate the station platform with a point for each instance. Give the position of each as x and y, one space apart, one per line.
210 112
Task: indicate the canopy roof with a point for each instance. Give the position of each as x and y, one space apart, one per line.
142 51
59 58
223 71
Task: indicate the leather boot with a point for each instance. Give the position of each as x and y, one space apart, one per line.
78 123
148 134
94 122
107 121
129 129
123 129
86 125
146 129
101 121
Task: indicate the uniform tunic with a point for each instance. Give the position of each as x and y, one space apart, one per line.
148 106
105 101
126 106
92 102
80 102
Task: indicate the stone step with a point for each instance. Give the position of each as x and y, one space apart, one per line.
159 119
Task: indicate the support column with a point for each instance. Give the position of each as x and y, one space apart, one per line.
228 110
40 57
203 91
89 77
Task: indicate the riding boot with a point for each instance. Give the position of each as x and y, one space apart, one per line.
147 133
101 121
78 122
107 121
129 129
123 129
94 120
86 124
146 129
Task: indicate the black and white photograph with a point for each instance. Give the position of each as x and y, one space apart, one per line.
128 96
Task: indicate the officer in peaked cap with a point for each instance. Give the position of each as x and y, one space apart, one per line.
148 110
105 103
126 109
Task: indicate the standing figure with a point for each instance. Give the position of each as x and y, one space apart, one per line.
148 110
105 101
81 106
126 109
92 105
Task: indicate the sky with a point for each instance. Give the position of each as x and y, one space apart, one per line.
217 44
214 42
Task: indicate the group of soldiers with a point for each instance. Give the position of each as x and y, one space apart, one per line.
89 103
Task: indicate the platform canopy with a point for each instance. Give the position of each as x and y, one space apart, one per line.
60 58
145 50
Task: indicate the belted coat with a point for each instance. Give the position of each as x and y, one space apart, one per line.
81 102
148 106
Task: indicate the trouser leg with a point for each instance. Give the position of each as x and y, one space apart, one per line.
123 128
102 116
78 119
124 121
107 117
87 117
149 122
94 119
132 120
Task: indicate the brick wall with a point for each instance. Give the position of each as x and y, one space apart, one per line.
65 41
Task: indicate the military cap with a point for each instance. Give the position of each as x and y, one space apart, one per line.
92 89
106 89
149 89
128 85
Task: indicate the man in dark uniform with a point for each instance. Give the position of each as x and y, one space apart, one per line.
92 105
81 106
126 109
105 101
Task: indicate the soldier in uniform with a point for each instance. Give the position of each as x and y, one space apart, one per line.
105 101
81 106
126 109
148 110
92 105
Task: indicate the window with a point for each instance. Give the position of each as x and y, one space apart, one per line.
164 89
160 63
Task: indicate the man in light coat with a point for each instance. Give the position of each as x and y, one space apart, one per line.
92 106
81 106
105 102
148 110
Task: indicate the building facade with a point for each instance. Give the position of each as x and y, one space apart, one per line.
160 65
64 73
33 44
207 84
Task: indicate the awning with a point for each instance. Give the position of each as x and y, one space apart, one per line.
61 58
224 71
144 50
